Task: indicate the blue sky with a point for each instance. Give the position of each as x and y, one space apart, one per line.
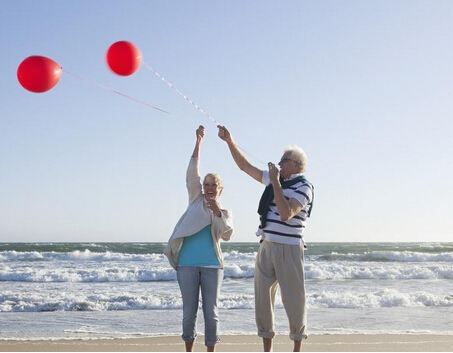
364 87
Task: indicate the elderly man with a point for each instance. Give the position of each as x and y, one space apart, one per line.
284 208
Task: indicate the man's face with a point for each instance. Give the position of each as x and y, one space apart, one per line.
288 166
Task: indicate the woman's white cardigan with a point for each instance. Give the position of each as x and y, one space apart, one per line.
196 217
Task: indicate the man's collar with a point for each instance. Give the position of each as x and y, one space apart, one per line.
294 176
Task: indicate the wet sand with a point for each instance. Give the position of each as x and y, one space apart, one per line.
244 343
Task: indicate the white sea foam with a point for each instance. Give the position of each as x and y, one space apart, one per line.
87 255
77 255
354 270
110 273
106 298
153 271
388 256
381 299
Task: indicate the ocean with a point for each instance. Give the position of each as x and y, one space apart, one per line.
124 290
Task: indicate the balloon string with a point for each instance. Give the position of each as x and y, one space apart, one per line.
115 91
152 106
251 155
169 84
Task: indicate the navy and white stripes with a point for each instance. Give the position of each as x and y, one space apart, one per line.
291 231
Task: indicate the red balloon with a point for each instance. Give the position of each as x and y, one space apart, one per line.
123 58
38 73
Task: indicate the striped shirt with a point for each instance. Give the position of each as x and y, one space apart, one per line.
289 232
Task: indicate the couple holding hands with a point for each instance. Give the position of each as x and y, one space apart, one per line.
194 246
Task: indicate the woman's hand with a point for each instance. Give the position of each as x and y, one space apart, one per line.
214 206
200 133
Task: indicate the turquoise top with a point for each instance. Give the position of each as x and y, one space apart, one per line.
198 250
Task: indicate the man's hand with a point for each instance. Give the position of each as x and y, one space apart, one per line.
274 174
224 134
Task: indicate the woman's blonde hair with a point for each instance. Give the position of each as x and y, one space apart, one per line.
216 179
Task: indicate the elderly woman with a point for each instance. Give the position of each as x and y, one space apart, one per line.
194 250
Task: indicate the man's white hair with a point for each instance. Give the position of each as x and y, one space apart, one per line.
298 155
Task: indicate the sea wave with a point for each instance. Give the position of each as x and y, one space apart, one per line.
106 301
74 274
76 255
373 271
388 256
160 271
39 302
232 255
386 298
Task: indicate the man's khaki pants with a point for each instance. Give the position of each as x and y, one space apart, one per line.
282 265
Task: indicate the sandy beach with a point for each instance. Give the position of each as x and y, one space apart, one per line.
244 343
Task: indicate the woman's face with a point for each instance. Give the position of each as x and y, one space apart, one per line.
211 189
